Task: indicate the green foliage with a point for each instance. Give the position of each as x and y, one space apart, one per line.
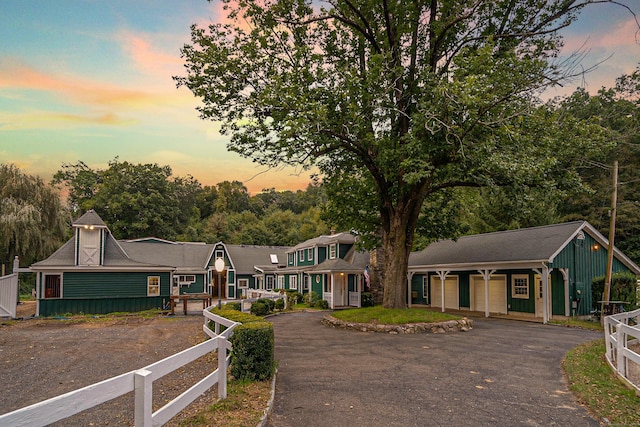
393 105
279 304
260 308
321 304
623 288
293 297
366 299
33 221
386 316
233 306
252 356
311 298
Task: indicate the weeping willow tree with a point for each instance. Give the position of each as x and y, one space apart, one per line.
33 221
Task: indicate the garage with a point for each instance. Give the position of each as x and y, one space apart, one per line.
451 295
497 294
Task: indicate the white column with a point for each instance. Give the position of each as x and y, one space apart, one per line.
443 276
486 275
544 275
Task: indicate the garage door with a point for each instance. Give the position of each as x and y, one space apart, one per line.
451 298
497 294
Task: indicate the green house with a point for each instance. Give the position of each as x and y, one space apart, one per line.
540 272
330 266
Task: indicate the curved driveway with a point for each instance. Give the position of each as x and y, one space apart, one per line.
501 373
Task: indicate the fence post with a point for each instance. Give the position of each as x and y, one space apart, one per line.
621 338
222 367
143 389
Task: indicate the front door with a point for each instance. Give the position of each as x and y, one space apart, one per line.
538 296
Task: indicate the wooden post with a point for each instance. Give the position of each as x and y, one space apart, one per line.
143 383
612 230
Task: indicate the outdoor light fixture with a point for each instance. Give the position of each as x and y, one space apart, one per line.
219 266
596 247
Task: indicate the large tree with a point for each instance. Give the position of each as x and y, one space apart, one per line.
33 221
394 102
135 200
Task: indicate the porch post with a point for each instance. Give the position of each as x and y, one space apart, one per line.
486 275
443 276
333 292
409 277
544 276
567 302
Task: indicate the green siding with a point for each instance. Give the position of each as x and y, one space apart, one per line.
464 295
52 307
416 289
519 304
106 284
322 254
194 288
317 284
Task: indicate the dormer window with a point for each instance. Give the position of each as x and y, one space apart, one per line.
301 253
309 254
333 251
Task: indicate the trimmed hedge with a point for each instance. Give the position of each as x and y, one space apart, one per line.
252 356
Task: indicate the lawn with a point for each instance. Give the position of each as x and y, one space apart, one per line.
388 316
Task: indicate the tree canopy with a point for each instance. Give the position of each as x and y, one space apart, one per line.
33 221
396 103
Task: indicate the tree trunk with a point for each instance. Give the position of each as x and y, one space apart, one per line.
397 242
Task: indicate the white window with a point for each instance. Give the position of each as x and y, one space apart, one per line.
301 255
186 279
291 257
333 251
153 286
269 283
425 287
219 254
305 282
280 282
293 282
309 254
243 283
520 286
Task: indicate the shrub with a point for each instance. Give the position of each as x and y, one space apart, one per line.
260 308
252 354
623 288
366 299
280 304
322 304
233 306
311 298
294 297
271 303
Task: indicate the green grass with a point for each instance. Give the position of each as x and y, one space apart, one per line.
596 386
389 316
577 323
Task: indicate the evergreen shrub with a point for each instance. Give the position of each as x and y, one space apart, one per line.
260 308
366 299
322 304
280 304
252 354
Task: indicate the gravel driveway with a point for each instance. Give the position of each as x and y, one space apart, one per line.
45 358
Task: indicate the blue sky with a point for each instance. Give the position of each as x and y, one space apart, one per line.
92 79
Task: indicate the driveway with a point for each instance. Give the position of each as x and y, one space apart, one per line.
501 373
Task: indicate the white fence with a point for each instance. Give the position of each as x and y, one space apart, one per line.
141 383
622 331
8 295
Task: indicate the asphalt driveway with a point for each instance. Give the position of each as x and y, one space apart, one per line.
501 373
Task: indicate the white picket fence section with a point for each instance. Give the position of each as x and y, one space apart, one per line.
141 383
621 331
9 295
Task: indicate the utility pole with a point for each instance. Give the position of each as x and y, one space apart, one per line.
612 230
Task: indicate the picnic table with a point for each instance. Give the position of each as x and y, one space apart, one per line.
206 301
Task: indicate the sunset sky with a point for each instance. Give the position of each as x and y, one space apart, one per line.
92 79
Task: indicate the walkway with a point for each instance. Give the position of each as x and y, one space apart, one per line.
501 373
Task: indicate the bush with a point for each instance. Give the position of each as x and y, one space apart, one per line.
252 354
623 288
271 303
233 306
294 297
366 299
322 304
311 298
260 308
280 304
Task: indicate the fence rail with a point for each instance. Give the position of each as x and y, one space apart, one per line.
622 332
141 383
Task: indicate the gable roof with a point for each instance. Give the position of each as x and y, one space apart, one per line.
184 256
533 245
245 258
344 237
89 218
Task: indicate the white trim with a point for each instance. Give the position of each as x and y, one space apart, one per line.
515 277
149 285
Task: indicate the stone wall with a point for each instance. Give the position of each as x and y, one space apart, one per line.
463 325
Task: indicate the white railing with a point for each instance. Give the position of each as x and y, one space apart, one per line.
141 383
328 296
8 295
253 295
619 334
